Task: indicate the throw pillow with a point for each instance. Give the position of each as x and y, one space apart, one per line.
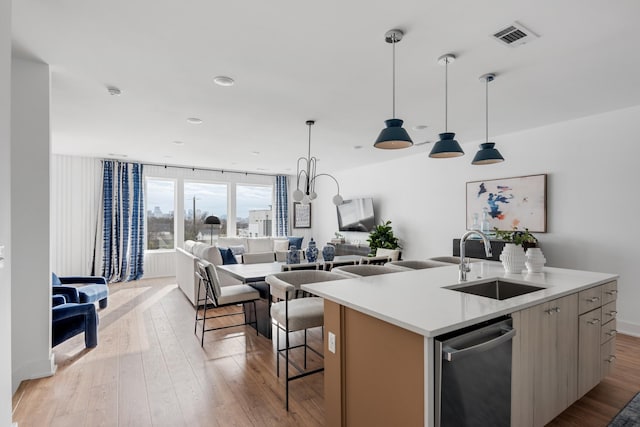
280 245
227 256
237 250
295 241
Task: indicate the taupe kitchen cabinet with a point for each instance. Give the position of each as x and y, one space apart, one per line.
596 335
545 352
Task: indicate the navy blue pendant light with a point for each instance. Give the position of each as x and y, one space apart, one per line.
393 136
487 154
447 146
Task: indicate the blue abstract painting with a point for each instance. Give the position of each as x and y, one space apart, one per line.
509 202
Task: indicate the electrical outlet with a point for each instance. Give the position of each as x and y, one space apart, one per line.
332 342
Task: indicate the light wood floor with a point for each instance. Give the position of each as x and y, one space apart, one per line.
149 370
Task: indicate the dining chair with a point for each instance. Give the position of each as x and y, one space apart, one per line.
329 265
302 266
362 270
415 264
258 257
293 310
375 260
394 254
218 297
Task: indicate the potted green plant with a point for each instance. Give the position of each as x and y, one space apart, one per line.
522 238
382 237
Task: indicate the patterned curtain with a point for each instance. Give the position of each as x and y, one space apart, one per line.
282 206
123 221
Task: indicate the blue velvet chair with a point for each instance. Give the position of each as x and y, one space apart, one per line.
70 318
94 288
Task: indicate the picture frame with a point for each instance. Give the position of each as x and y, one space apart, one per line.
506 203
301 215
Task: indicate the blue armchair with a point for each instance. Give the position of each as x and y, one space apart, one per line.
69 319
94 288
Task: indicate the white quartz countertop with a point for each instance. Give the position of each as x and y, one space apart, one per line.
418 300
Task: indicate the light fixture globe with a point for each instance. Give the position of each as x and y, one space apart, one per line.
337 200
393 136
297 195
487 155
447 147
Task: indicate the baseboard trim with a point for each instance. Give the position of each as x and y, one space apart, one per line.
629 328
33 370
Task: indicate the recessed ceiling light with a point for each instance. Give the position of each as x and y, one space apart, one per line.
194 120
262 169
178 142
116 155
357 147
420 127
223 81
168 157
114 91
255 153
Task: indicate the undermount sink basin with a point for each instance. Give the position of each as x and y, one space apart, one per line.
496 289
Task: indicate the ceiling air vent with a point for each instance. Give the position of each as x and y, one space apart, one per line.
514 35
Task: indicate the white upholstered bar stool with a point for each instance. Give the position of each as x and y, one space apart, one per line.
363 270
291 311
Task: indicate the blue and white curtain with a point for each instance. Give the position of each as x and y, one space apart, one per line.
282 205
122 221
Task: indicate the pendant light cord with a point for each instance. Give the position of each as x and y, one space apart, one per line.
487 109
446 93
393 73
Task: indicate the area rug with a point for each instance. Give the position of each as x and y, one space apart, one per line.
629 415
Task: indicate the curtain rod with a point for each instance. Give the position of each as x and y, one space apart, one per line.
193 168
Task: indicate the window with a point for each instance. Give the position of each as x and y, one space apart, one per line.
254 213
160 196
200 201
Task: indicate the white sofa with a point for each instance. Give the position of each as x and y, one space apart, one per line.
242 245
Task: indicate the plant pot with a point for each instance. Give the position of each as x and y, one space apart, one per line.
513 258
535 260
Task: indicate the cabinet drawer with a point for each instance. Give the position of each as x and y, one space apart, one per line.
609 312
609 292
608 357
589 299
608 331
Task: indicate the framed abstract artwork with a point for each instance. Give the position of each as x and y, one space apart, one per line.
509 202
301 215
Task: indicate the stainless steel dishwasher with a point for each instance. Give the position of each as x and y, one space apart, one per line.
473 375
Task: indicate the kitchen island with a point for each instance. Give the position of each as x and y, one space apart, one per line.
380 330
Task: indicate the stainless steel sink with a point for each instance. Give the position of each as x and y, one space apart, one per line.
496 289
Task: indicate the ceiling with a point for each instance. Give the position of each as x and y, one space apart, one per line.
295 60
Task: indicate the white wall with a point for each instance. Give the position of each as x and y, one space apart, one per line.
5 213
30 264
75 200
593 203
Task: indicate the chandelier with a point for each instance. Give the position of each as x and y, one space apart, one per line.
306 177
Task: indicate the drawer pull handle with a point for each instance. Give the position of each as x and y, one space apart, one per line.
552 310
612 292
593 299
594 322
612 333
611 359
612 313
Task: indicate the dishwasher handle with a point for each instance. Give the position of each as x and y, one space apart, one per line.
450 354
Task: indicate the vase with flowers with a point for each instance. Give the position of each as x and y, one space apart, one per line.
513 255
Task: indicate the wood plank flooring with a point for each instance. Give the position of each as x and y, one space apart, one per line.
149 370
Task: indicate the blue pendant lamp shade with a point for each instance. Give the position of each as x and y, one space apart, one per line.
393 136
447 146
487 154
